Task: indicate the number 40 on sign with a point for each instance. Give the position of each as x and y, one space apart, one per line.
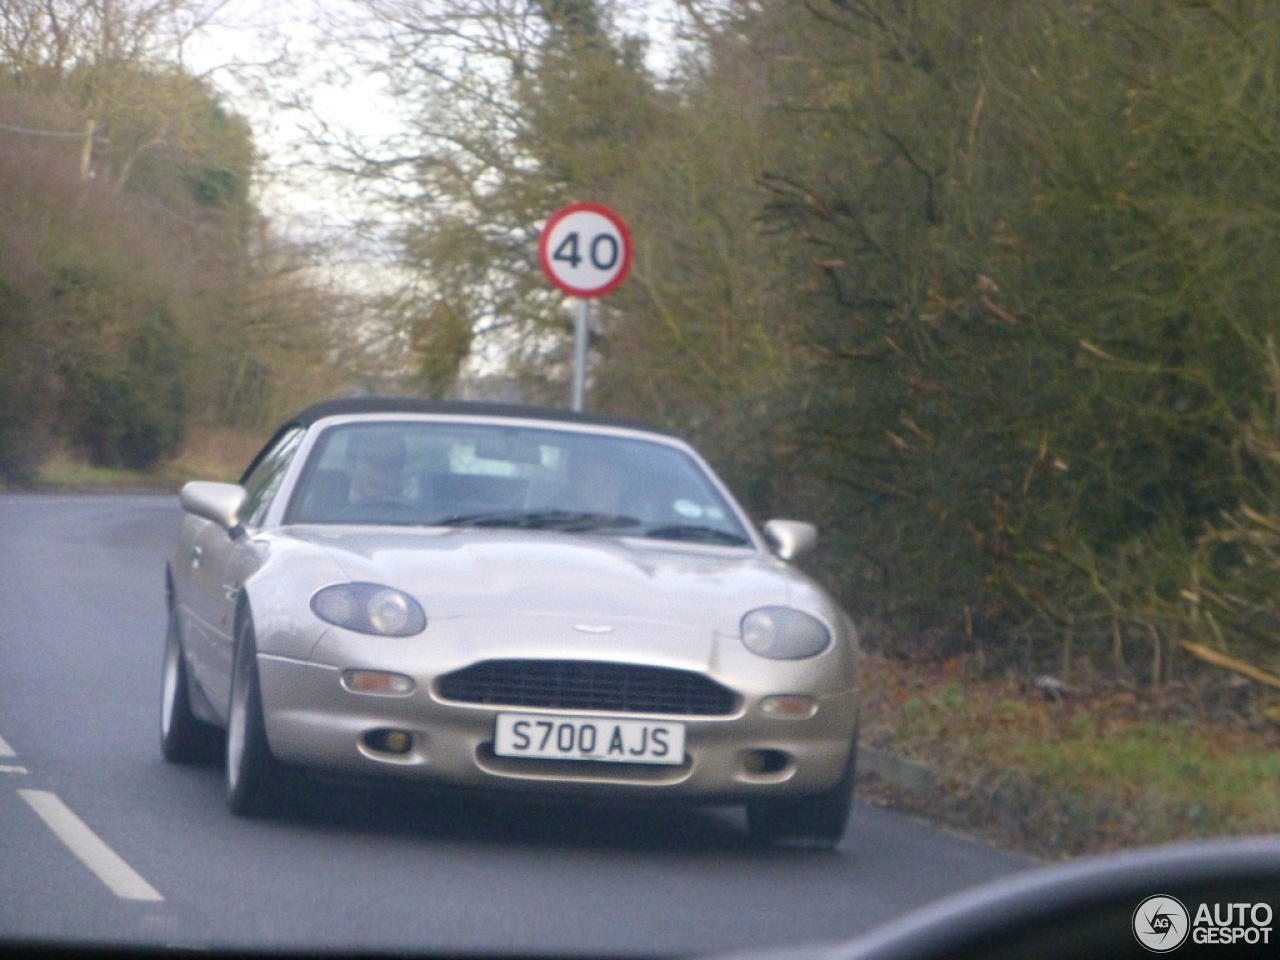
585 250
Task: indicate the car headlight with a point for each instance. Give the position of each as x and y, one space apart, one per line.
781 633
370 608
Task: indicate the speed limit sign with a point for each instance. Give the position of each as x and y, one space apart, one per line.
585 249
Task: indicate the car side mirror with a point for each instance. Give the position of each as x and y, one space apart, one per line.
791 539
217 502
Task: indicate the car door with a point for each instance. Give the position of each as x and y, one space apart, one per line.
218 564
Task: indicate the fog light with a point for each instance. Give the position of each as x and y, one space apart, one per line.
789 706
764 761
389 741
377 682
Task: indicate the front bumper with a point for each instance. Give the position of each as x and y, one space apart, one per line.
314 722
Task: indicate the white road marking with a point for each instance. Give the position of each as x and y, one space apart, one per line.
5 749
9 768
121 878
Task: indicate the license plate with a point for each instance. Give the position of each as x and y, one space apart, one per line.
603 739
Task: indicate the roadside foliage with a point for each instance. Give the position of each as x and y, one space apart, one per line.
985 288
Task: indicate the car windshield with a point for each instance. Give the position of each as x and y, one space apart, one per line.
501 476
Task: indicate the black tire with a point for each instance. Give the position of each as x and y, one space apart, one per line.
257 785
816 820
184 737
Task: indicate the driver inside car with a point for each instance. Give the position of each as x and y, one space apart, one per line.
375 463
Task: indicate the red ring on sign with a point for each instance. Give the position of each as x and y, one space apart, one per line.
544 254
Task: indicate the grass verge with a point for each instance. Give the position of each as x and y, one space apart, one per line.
1092 770
73 477
207 454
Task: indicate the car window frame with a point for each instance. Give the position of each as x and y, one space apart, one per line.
265 475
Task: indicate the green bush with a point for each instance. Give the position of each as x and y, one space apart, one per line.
128 410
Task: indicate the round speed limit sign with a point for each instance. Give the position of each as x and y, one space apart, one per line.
585 249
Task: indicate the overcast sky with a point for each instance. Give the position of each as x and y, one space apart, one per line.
253 31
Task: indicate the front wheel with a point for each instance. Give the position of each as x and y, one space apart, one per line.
817 820
256 783
184 737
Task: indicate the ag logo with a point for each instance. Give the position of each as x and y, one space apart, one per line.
1161 924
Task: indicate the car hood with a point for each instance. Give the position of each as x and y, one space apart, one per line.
486 573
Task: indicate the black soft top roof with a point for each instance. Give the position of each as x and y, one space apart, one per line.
417 405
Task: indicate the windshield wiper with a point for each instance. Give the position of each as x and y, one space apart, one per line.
697 533
569 521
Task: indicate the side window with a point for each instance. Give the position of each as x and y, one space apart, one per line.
264 479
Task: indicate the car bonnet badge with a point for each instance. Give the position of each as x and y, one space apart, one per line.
595 629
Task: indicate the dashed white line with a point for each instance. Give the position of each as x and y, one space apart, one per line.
6 753
121 878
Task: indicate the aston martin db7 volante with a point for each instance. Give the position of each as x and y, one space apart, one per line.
499 598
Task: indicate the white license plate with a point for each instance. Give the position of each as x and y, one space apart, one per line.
604 739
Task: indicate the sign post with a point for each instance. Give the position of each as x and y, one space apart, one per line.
581 340
585 251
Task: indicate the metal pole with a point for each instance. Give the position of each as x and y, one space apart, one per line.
86 152
581 334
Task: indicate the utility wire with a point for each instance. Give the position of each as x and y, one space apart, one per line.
49 133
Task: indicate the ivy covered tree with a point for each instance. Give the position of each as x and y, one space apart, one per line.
142 287
1036 310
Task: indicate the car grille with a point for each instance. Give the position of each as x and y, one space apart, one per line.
587 685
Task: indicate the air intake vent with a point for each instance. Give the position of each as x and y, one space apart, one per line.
587 685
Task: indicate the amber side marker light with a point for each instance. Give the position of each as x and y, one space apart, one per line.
377 682
789 706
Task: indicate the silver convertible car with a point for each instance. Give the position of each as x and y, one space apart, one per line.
503 598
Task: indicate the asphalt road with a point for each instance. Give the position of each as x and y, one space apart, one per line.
102 841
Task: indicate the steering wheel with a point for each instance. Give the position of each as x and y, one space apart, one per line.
375 507
389 501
